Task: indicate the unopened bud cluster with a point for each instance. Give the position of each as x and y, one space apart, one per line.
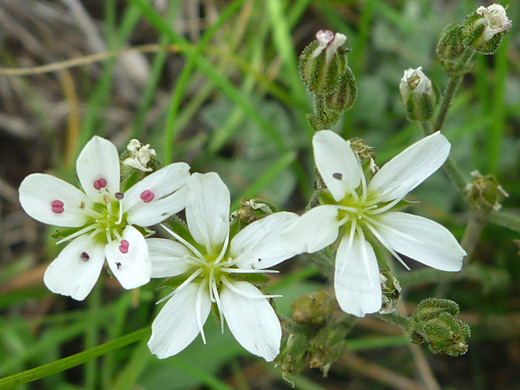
318 334
485 192
324 70
137 161
482 31
434 323
418 96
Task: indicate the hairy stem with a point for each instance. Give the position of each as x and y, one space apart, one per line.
71 361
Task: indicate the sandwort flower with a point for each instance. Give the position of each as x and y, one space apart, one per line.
351 207
105 222
495 19
212 266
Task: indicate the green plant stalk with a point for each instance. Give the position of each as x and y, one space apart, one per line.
478 219
395 319
505 219
450 167
91 336
72 361
451 88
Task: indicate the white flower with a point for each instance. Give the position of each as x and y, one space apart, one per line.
416 81
354 207
140 155
495 19
329 42
212 266
103 218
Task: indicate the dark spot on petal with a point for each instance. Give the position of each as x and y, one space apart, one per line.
82 205
259 259
337 175
119 195
84 256
118 265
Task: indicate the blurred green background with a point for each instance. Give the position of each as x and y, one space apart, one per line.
227 98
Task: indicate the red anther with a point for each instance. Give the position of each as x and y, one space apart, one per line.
124 247
147 196
100 183
57 206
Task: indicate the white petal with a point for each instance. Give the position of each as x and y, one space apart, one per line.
154 212
356 280
260 245
410 168
313 231
161 183
98 160
336 163
37 193
168 257
421 239
176 325
207 210
252 322
129 260
76 269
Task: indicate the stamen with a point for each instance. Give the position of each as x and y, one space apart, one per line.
223 250
124 247
350 241
78 233
186 243
385 244
229 285
375 211
119 195
217 300
84 256
57 206
337 175
100 183
249 271
197 310
182 285
147 196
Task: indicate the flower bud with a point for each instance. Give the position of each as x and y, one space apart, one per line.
449 50
391 289
417 94
251 210
485 28
344 96
137 161
321 64
313 309
328 345
293 355
485 192
434 322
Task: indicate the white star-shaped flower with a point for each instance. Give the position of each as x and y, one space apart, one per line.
103 217
212 265
496 20
351 207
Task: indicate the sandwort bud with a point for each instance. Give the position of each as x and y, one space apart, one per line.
485 28
485 192
417 94
251 210
322 63
449 50
344 96
313 309
391 290
434 323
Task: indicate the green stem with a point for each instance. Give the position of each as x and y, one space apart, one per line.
451 88
505 219
71 361
450 167
478 219
395 319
